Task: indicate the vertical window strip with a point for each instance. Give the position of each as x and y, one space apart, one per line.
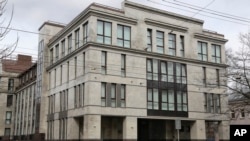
182 48
218 77
75 67
83 60
172 44
113 95
160 41
149 40
69 43
61 73
103 94
77 39
57 52
63 47
149 69
204 76
85 33
123 95
104 62
51 56
123 65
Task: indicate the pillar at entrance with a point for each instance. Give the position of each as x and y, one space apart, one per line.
130 128
92 127
224 130
198 130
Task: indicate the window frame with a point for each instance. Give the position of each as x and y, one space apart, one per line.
63 47
85 32
162 41
77 38
182 46
123 36
104 65
123 65
216 57
70 43
172 42
103 34
202 45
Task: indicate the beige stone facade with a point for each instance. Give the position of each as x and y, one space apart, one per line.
10 68
129 74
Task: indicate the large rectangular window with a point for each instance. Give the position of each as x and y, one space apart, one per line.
104 32
202 51
204 76
149 40
85 33
69 43
166 88
123 36
123 65
212 103
77 39
8 117
160 41
104 62
75 66
218 77
216 53
83 64
172 44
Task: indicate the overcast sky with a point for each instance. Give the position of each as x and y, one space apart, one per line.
29 15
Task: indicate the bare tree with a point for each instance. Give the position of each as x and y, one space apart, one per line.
7 50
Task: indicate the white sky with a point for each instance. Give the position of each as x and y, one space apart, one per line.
29 15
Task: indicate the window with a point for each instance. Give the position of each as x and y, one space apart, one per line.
149 40
123 36
153 99
204 79
218 77
181 101
51 56
9 100
57 52
216 53
7 132
160 41
76 91
182 52
54 78
103 94
83 65
8 117
77 39
70 43
212 103
172 44
123 95
242 113
61 73
11 85
63 48
75 66
104 62
152 69
104 33
85 33
113 95
68 71
123 65
202 51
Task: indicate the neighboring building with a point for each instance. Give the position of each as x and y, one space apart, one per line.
240 111
26 106
129 74
9 70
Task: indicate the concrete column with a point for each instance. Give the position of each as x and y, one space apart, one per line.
92 127
130 128
198 130
56 129
224 130
72 129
